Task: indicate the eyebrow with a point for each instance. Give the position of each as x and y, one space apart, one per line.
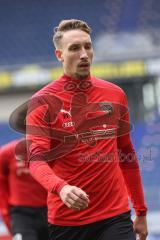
78 43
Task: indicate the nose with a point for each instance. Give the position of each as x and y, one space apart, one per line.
83 54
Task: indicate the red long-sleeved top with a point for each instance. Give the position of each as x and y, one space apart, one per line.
17 186
78 134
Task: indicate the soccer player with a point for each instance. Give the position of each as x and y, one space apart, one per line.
79 147
22 199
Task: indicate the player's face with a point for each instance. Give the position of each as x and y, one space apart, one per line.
76 53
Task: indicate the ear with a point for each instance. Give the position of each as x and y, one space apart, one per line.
59 55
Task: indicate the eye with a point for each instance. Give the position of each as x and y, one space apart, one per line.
74 48
88 46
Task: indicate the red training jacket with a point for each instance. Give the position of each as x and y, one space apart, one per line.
78 134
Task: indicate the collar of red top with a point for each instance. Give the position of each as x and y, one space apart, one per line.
68 78
77 85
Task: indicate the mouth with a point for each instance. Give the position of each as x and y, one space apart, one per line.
84 65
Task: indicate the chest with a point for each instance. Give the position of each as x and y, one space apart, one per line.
89 111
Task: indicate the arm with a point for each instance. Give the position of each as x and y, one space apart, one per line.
73 197
38 138
131 172
38 144
4 187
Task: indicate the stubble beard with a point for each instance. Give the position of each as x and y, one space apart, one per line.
82 76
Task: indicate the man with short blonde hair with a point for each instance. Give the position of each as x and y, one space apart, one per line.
79 146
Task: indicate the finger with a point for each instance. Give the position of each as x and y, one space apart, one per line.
73 203
77 199
77 203
76 209
80 193
141 237
72 207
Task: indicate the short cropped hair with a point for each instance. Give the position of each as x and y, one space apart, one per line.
67 25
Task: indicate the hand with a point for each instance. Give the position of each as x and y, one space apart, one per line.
74 197
140 227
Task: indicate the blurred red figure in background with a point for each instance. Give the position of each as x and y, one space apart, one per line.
22 199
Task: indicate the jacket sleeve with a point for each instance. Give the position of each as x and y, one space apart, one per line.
39 141
129 163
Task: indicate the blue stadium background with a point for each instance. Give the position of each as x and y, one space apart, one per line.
26 29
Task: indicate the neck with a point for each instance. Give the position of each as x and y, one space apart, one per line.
77 76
